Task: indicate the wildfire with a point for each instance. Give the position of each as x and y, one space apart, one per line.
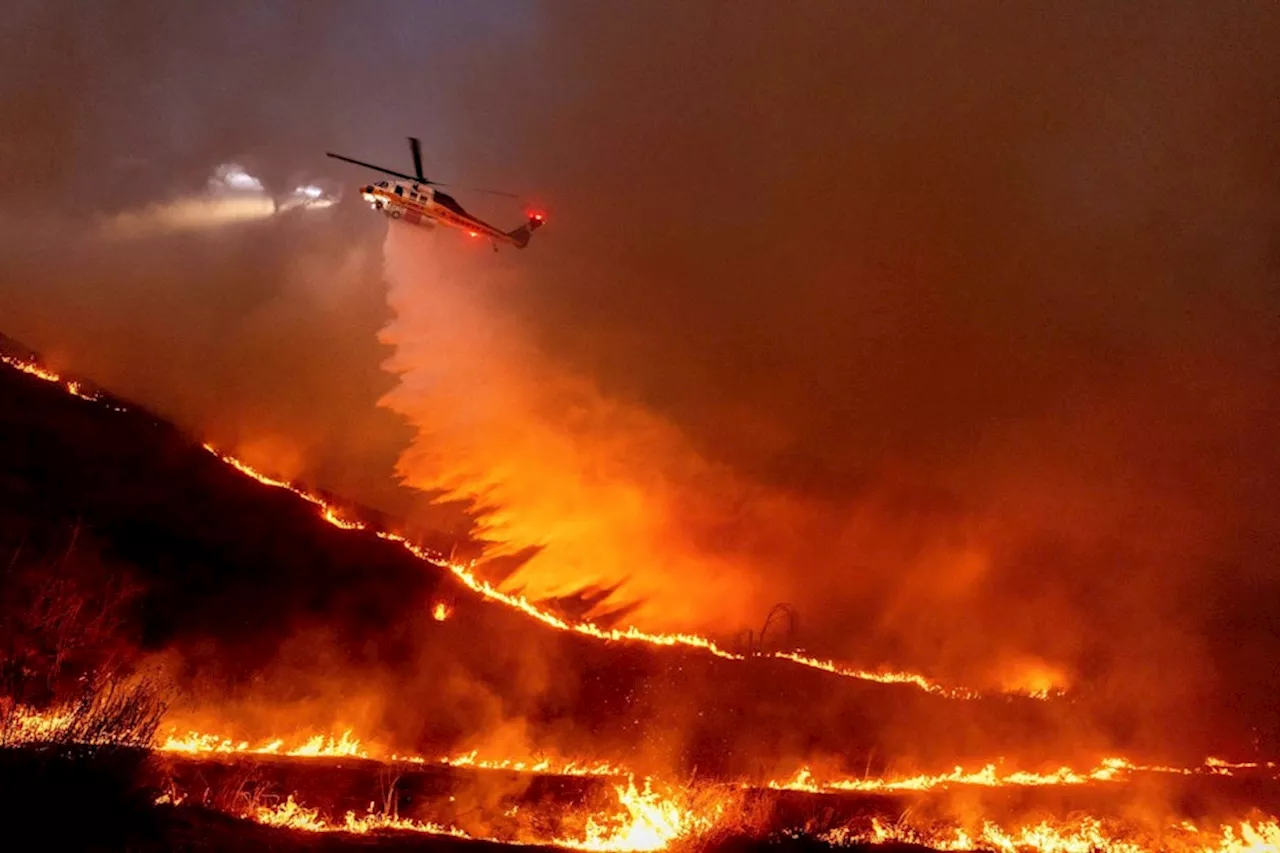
540 765
1088 835
646 821
346 745
19 725
463 572
316 746
989 776
992 776
30 367
886 677
643 820
292 815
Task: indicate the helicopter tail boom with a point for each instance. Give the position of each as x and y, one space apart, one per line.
520 236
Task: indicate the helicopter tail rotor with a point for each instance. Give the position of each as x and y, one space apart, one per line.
521 235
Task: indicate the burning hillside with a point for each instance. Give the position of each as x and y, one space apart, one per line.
272 711
313 605
882 448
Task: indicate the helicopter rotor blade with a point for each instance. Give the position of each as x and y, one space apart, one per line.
476 190
416 148
417 163
371 166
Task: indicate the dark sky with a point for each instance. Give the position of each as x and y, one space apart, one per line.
955 325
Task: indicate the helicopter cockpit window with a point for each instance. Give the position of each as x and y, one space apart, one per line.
399 190
382 184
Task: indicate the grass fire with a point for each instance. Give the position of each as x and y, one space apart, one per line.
318 782
875 446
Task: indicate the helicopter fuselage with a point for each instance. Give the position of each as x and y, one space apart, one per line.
417 201
422 205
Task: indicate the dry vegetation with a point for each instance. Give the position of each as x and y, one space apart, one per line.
65 652
75 719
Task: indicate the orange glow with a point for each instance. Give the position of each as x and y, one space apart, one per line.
643 820
25 726
989 776
463 573
1032 677
993 776
544 766
588 488
316 746
649 816
30 367
292 815
1088 835
346 745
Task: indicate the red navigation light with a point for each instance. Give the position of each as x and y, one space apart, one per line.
537 216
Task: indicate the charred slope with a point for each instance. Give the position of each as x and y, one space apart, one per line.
220 557
282 621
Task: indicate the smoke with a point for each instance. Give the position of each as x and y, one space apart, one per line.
964 351
233 196
252 292
595 492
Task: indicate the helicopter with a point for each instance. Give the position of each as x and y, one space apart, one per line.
417 201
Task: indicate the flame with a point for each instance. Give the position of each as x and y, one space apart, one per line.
72 387
346 745
646 821
23 725
1113 769
643 820
990 776
293 815
537 765
315 746
463 572
1088 835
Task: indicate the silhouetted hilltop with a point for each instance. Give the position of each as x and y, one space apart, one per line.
275 619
